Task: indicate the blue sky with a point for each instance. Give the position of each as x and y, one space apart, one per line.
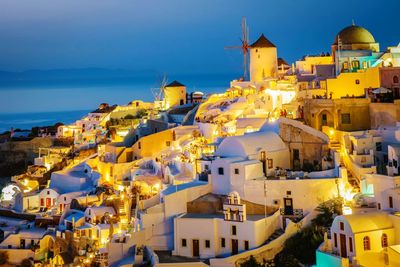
177 36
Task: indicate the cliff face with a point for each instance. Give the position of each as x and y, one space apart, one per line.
16 155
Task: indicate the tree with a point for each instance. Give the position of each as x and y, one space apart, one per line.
3 257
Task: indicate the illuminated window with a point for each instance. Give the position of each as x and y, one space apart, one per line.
270 163
364 64
345 65
384 240
367 243
355 64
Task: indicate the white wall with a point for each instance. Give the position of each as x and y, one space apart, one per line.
307 194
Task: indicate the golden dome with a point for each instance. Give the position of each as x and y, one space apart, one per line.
354 35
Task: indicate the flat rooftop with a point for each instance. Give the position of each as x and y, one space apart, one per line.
218 216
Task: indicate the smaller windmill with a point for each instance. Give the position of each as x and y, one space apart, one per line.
244 47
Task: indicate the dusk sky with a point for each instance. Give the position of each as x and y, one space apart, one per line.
175 35
180 38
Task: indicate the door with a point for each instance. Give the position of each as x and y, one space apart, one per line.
196 248
288 202
343 248
235 246
324 121
48 202
22 243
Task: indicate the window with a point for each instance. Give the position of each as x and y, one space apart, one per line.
364 64
168 143
335 239
367 243
351 244
183 242
288 193
65 198
207 243
391 202
233 229
378 146
346 118
246 245
48 192
42 202
222 242
384 240
357 81
395 79
270 163
341 226
221 171
345 65
236 171
139 145
206 167
379 206
355 64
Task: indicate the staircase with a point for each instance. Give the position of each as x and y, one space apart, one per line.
275 235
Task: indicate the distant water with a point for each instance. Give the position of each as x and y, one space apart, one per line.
26 104
29 120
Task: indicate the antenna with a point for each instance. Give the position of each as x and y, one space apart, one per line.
244 47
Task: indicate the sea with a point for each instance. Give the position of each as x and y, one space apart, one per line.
24 105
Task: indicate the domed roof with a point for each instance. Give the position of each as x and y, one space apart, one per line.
354 35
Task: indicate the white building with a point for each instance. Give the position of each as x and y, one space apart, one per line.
225 234
247 157
95 214
48 198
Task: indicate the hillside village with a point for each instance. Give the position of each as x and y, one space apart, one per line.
224 179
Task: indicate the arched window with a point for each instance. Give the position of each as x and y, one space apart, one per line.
384 240
367 243
396 79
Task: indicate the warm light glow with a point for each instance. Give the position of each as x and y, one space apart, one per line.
346 210
9 192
